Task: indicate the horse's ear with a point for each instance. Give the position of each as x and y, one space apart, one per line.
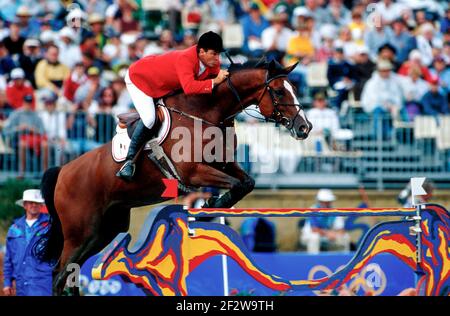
287 70
262 62
272 66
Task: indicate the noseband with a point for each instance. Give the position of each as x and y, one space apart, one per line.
276 116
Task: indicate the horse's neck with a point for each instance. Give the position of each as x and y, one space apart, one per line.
223 103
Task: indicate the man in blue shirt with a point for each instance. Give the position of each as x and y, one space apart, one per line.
31 277
253 24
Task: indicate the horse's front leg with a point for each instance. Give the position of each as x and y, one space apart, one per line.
238 190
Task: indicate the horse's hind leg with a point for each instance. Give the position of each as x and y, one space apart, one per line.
115 220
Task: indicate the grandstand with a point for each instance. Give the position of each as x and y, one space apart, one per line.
69 60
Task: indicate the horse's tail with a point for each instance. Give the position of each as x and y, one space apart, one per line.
50 246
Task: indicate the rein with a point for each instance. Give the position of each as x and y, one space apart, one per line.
276 116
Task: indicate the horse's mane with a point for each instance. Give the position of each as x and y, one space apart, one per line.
274 67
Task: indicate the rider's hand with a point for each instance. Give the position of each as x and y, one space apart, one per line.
223 74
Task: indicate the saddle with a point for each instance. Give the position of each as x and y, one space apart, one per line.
128 120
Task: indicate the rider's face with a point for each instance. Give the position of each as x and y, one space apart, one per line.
209 58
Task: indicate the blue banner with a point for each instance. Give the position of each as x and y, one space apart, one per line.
384 275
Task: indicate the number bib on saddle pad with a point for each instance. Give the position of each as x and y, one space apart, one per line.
121 140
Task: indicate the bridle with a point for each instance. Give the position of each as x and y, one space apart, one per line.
276 116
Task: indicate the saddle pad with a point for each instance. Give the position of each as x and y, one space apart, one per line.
121 141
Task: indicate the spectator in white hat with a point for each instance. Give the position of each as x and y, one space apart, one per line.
24 275
69 52
29 26
18 88
325 232
30 58
426 41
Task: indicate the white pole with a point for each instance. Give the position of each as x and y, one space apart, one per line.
224 267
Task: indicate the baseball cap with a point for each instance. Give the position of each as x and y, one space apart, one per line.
93 71
325 195
32 42
17 73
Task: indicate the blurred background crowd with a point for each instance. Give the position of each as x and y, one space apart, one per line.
62 63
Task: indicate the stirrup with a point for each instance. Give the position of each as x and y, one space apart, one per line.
124 171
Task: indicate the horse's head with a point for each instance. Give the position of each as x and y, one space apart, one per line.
279 103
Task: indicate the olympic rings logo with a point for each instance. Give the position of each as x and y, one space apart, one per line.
371 278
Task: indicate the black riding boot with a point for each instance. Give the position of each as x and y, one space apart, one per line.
141 134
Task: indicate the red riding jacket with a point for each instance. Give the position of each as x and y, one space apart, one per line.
159 75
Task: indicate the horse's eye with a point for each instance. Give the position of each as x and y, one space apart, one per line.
279 92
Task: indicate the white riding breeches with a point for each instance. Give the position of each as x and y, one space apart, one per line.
143 103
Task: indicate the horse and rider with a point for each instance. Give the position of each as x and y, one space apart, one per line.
89 199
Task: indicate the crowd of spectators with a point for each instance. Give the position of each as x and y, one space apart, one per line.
391 56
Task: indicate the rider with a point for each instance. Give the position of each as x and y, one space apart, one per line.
196 70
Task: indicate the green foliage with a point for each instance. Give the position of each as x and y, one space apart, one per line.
10 192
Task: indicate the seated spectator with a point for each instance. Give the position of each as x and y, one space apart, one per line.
79 122
324 51
319 13
220 14
14 42
90 89
69 51
26 131
382 97
325 232
114 52
275 38
388 52
300 49
55 127
30 58
389 10
7 64
96 22
402 40
50 73
124 102
124 19
433 102
102 111
376 36
363 70
340 76
253 24
326 120
415 59
345 40
426 40
337 13
76 78
413 90
29 25
442 71
357 26
445 22
18 88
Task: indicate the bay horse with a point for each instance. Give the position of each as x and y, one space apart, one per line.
89 205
